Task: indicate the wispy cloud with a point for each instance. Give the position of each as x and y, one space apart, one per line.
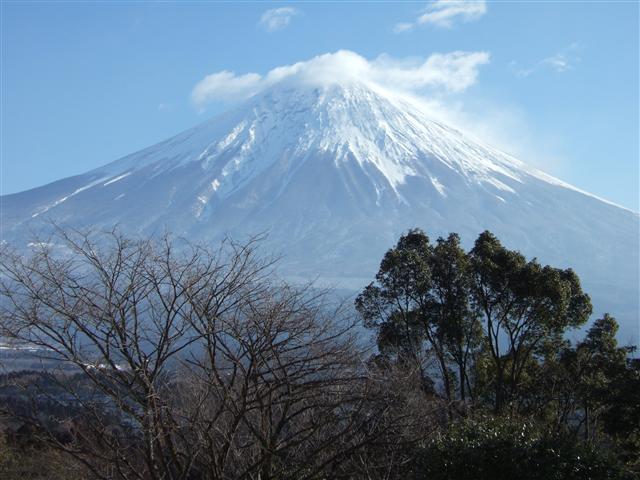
443 72
444 14
560 62
225 85
277 18
403 27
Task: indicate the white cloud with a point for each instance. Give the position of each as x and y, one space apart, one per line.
504 126
444 13
449 72
520 71
277 18
560 62
403 27
225 85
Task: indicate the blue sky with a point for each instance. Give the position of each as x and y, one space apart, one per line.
86 83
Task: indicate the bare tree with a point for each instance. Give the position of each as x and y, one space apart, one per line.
191 363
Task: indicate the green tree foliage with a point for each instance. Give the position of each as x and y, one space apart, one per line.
603 382
595 362
526 309
457 320
419 304
621 419
496 322
391 303
490 304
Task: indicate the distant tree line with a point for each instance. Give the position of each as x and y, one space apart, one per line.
189 363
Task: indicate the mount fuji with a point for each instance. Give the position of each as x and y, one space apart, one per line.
334 174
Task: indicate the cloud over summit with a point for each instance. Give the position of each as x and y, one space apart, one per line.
446 72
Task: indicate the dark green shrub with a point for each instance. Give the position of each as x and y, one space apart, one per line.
508 449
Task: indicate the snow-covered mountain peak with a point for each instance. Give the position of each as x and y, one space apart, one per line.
390 138
335 171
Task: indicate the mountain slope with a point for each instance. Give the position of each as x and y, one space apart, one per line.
335 174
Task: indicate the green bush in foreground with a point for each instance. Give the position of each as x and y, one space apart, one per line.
510 448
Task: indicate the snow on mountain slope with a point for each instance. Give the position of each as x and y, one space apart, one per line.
335 174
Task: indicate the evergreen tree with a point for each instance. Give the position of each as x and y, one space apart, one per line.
526 309
451 310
